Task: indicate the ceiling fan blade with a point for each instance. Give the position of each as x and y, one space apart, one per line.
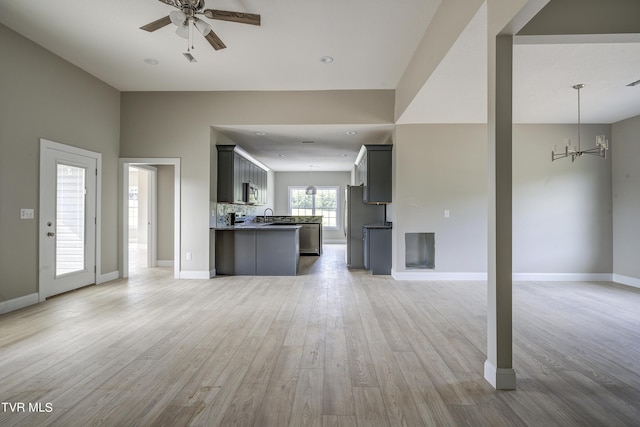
173 3
225 15
214 40
159 23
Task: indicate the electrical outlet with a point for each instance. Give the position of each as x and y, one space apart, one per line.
188 256
26 213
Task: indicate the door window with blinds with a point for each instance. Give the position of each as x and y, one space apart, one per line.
70 219
324 202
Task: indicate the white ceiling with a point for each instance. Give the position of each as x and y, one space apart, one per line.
301 148
371 41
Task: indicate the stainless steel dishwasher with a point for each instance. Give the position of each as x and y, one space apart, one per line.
310 239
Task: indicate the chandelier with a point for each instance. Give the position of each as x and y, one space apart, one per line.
311 190
600 150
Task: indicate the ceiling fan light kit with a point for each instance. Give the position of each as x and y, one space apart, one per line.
185 19
600 150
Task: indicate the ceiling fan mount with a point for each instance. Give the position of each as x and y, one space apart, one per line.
185 16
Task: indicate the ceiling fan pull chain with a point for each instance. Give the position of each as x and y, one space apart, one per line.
190 46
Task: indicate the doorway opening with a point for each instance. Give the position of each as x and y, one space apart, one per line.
142 217
150 227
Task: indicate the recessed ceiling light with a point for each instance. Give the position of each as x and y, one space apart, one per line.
345 155
326 59
151 61
351 132
261 133
308 142
280 155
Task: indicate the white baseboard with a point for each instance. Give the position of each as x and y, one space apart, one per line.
102 278
212 273
563 277
18 303
524 277
436 275
195 275
500 378
626 280
164 263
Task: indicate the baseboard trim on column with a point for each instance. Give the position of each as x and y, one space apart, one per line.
500 378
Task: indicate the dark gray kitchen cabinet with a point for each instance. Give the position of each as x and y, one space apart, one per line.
377 250
257 251
235 252
229 176
239 165
374 172
233 171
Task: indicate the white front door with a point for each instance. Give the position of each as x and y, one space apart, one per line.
67 222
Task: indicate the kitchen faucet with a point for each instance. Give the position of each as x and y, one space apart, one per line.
265 214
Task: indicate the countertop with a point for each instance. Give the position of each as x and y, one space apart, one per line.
294 219
378 226
256 226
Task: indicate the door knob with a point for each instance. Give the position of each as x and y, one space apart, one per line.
50 234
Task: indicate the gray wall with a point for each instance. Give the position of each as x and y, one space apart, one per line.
625 152
43 96
188 135
440 167
285 179
562 221
165 178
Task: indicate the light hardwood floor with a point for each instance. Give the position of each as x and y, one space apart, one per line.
330 347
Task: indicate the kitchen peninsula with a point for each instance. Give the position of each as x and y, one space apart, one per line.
257 249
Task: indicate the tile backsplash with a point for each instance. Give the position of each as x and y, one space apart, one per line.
222 209
252 214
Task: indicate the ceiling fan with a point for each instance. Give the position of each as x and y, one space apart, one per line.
185 19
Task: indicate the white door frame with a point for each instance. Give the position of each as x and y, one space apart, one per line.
124 190
46 144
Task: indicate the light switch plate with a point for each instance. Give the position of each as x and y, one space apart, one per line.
447 213
26 213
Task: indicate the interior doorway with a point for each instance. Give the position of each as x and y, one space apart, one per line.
150 219
142 217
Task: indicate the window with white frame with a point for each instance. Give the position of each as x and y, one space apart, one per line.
324 202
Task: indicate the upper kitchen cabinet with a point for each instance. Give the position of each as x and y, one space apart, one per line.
239 179
373 171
